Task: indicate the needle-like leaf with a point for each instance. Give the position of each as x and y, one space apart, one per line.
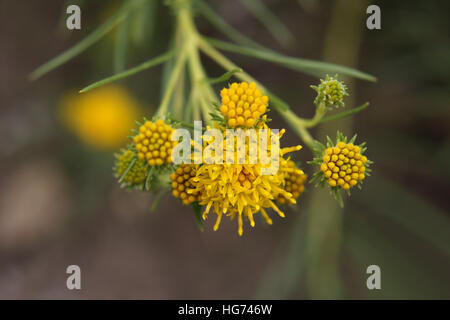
219 23
316 68
270 21
225 77
148 64
81 46
345 113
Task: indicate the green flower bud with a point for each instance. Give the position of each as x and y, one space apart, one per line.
330 92
129 169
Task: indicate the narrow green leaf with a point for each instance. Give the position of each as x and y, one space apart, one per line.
219 23
345 113
270 21
308 66
225 77
148 181
148 64
81 46
124 174
330 142
198 215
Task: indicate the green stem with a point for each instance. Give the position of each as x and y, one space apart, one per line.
321 110
203 94
179 65
345 113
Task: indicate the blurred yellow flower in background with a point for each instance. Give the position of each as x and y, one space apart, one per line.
101 118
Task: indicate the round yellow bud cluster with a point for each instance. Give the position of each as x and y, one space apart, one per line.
182 186
137 172
153 143
243 104
343 165
294 182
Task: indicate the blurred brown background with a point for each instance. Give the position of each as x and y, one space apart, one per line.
59 204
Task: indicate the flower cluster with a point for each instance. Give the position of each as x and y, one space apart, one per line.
237 178
241 190
343 165
153 142
243 104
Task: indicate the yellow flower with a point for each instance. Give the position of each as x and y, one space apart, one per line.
343 166
294 181
101 118
153 143
182 185
136 173
240 189
243 104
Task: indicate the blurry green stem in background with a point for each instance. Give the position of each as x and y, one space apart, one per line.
324 216
268 19
315 242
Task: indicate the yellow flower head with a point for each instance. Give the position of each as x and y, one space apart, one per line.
343 165
241 190
134 169
101 118
243 104
294 181
153 143
182 185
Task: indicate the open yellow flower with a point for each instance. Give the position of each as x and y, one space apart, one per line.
240 190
